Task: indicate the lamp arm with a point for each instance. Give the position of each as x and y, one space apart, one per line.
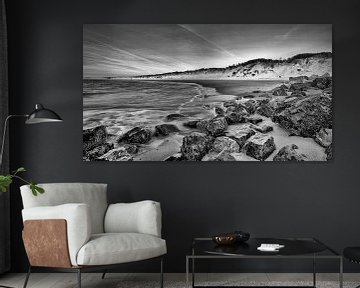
4 134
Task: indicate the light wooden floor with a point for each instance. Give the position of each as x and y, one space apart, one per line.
113 280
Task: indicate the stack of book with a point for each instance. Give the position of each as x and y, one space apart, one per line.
270 247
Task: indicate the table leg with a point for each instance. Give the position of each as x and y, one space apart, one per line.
193 267
187 272
193 272
314 271
341 273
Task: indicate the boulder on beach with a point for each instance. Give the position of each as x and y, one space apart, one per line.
222 156
191 124
195 146
328 152
216 126
263 101
165 129
279 92
276 105
259 146
230 103
298 93
322 82
250 106
118 154
131 148
98 151
138 135
253 119
289 153
225 144
265 95
236 114
219 111
202 124
298 79
175 157
306 116
263 128
301 86
207 106
283 86
287 102
264 109
94 137
241 134
174 116
313 76
248 96
324 137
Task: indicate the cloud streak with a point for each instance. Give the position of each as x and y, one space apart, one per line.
191 30
138 49
289 33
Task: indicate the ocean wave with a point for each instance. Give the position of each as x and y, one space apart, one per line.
202 92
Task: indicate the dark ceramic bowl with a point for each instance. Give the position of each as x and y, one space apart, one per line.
225 239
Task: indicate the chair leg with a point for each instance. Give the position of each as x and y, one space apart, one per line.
161 272
79 277
27 277
103 275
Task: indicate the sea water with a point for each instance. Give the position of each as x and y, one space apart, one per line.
124 104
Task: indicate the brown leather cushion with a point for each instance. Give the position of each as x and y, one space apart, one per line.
46 243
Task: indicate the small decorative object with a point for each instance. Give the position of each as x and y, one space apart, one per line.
242 236
225 239
270 247
231 238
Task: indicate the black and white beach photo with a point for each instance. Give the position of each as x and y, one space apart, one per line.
207 92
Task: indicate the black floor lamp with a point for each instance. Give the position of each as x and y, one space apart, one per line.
39 115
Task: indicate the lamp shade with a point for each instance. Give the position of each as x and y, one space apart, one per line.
42 115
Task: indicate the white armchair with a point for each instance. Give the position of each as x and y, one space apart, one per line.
72 228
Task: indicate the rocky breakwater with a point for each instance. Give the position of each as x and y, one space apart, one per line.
302 106
234 134
100 146
305 110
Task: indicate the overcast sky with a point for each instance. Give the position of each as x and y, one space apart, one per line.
139 49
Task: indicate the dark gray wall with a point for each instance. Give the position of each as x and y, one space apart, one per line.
198 199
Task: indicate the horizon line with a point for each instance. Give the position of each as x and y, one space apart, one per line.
204 68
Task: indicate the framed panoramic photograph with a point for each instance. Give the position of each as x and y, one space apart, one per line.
207 92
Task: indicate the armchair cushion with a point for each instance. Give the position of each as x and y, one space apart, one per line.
113 248
92 194
138 217
78 221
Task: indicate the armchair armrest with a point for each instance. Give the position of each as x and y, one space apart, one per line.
138 217
78 225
